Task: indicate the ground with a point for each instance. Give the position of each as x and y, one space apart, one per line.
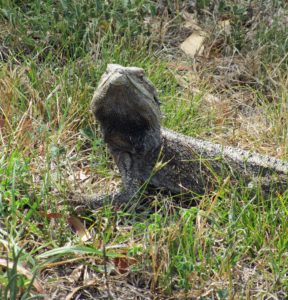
232 89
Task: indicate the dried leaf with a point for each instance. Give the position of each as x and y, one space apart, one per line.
193 45
79 228
50 215
226 26
76 274
122 264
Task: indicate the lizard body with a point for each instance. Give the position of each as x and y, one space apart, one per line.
127 107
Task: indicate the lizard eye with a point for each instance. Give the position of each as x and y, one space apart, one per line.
141 74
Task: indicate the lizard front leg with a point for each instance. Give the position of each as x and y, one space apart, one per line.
131 185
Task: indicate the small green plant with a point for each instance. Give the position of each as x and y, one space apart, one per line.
202 4
16 281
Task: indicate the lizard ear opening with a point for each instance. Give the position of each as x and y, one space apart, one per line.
156 99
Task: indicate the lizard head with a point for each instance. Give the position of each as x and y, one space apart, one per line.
126 105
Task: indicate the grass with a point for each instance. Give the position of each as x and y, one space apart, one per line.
233 244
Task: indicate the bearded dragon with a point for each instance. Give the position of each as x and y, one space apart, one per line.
127 107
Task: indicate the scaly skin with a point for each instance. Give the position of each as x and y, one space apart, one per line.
126 106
